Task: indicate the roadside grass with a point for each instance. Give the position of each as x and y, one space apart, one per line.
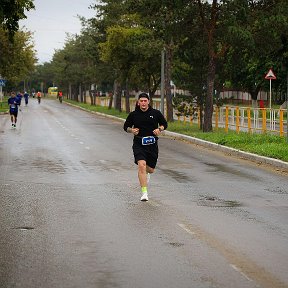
261 144
4 105
100 109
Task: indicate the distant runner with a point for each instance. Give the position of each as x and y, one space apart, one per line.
39 96
26 97
13 103
60 96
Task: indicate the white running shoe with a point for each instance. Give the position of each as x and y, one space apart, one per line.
144 197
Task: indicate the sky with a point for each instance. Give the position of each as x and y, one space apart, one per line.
51 19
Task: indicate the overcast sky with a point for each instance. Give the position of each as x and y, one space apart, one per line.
50 21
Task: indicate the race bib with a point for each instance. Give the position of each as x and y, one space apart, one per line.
148 140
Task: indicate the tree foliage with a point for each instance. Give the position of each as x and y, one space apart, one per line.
18 57
11 11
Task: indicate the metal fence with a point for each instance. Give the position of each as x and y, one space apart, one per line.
251 120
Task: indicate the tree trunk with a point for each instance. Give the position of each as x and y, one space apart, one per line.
167 77
127 102
117 95
254 94
201 116
70 91
111 97
84 93
80 94
92 99
208 111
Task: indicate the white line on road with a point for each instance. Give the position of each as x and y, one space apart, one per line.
239 270
183 226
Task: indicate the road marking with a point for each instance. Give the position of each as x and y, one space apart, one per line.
239 271
88 148
81 142
251 270
183 226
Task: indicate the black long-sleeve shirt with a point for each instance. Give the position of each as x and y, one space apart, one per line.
145 121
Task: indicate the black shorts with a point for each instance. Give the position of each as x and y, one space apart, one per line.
149 153
15 113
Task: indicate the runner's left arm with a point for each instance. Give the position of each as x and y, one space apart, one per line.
128 123
162 121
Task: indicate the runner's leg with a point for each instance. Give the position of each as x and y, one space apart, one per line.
142 173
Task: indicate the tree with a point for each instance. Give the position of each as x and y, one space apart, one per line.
133 56
17 58
166 20
11 11
260 46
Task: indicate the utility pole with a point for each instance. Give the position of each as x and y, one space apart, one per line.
162 79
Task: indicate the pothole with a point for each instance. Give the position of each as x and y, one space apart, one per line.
211 201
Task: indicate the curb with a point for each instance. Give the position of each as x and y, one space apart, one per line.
231 151
278 164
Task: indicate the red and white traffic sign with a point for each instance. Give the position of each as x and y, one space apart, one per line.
270 75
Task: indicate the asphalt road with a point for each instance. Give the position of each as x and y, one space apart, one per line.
71 214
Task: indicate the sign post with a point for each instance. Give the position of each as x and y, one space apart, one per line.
270 76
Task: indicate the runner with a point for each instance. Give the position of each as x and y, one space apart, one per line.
19 97
60 95
26 97
39 97
13 103
146 124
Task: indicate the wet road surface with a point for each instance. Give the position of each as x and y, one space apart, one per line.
71 214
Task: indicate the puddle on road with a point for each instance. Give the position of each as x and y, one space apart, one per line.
175 244
210 201
47 165
176 175
104 165
277 190
215 167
